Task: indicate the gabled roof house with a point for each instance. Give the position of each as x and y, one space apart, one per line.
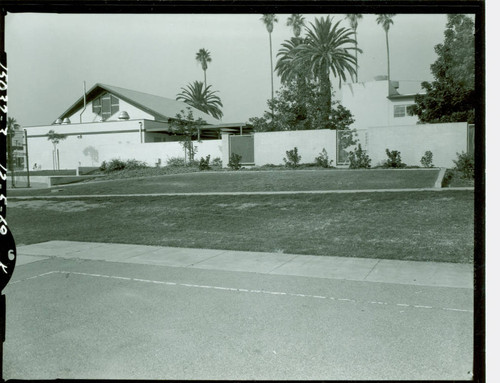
105 105
107 118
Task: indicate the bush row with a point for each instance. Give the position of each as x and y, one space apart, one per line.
358 159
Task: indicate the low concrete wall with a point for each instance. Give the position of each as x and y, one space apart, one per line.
159 152
49 181
443 140
271 147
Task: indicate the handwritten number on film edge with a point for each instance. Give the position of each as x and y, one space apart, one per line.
7 245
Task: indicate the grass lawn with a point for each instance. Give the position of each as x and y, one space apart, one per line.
241 181
422 226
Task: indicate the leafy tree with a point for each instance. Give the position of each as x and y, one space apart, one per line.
327 48
201 98
203 57
297 108
55 138
185 125
269 19
451 96
386 21
353 22
296 21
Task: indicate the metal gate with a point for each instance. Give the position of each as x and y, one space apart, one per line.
470 138
243 146
17 158
344 141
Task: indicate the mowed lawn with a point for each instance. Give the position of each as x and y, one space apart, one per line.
423 226
253 181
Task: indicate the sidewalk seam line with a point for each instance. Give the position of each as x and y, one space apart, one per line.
369 272
284 263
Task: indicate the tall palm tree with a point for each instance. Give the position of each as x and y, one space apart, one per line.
327 48
201 98
203 57
386 21
297 22
269 19
353 21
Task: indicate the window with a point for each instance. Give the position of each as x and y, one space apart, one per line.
105 106
402 110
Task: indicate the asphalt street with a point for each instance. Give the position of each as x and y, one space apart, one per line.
92 319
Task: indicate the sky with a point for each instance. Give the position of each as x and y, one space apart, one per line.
49 56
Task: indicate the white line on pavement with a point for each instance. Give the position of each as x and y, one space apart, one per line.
244 290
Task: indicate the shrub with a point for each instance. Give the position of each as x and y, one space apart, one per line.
465 165
204 163
426 160
176 161
103 166
394 160
322 159
358 159
217 162
135 164
115 165
292 158
235 161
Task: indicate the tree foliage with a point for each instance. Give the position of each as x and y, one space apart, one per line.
326 49
296 21
451 96
201 98
185 125
297 107
203 57
55 138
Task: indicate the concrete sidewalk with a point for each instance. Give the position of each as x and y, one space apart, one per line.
357 269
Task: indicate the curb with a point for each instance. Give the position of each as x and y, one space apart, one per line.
439 180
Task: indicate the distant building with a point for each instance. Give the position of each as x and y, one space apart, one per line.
378 103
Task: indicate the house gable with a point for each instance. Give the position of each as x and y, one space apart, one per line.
152 107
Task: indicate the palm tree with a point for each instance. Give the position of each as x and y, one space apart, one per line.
327 48
287 67
353 21
201 98
269 19
296 21
386 21
203 57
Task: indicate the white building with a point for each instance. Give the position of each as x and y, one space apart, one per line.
378 103
111 122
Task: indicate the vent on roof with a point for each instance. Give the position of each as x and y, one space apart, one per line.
123 115
66 121
58 121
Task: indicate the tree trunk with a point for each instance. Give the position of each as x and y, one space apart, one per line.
272 82
388 63
326 96
205 76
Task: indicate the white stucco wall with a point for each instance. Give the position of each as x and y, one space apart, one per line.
159 152
120 139
71 149
271 147
443 140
